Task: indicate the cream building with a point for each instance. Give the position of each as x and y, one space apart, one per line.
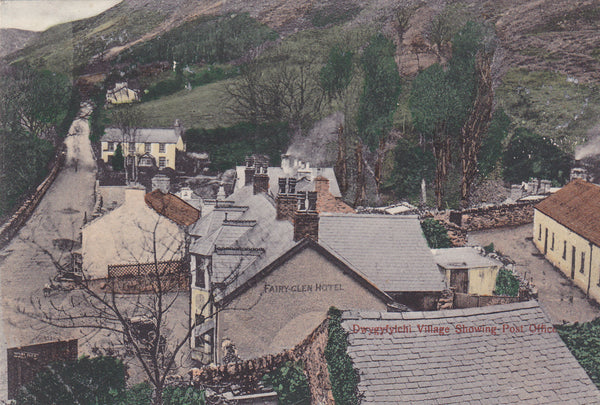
566 229
122 94
149 146
132 234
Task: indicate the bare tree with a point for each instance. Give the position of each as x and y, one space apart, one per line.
278 91
140 310
126 119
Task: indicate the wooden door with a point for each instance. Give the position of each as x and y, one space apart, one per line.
459 279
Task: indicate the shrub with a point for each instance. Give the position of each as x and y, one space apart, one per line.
98 380
343 377
489 248
411 165
583 340
290 383
230 146
118 161
436 234
506 283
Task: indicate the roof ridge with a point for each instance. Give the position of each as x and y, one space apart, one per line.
442 314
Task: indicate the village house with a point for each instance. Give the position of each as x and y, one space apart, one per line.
144 230
566 230
501 354
265 271
467 271
146 147
122 94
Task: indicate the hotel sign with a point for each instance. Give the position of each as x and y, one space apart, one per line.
302 288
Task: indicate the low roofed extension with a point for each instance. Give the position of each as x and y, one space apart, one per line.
577 207
518 365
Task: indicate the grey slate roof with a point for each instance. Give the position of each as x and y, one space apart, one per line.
391 251
252 226
459 368
142 135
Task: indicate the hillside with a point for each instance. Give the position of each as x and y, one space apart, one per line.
12 39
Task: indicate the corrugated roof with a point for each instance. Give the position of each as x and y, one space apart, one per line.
391 251
142 135
576 206
172 207
426 367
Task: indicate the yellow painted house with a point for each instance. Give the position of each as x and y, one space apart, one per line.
149 146
566 229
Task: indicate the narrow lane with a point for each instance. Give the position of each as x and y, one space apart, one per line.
24 268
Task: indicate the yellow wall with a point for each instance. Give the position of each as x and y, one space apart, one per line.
564 262
482 280
140 149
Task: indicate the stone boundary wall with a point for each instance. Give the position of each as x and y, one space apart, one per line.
497 216
459 223
247 374
18 219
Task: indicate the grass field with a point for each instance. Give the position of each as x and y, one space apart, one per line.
201 107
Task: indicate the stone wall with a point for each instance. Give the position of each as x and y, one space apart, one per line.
244 377
14 224
498 216
459 223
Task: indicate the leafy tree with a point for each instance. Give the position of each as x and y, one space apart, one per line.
98 380
118 161
290 383
434 115
583 340
492 145
506 283
337 72
442 99
529 155
23 164
378 102
435 233
411 164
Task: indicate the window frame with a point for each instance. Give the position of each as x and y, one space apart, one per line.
147 147
162 147
162 162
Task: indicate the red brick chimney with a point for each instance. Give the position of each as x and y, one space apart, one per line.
306 218
321 185
286 200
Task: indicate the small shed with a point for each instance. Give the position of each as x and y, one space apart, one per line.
467 270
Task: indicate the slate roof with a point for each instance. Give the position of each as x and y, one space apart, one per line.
463 258
391 251
172 207
248 223
577 207
142 135
457 368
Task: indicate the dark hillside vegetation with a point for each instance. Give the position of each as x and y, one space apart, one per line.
207 39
